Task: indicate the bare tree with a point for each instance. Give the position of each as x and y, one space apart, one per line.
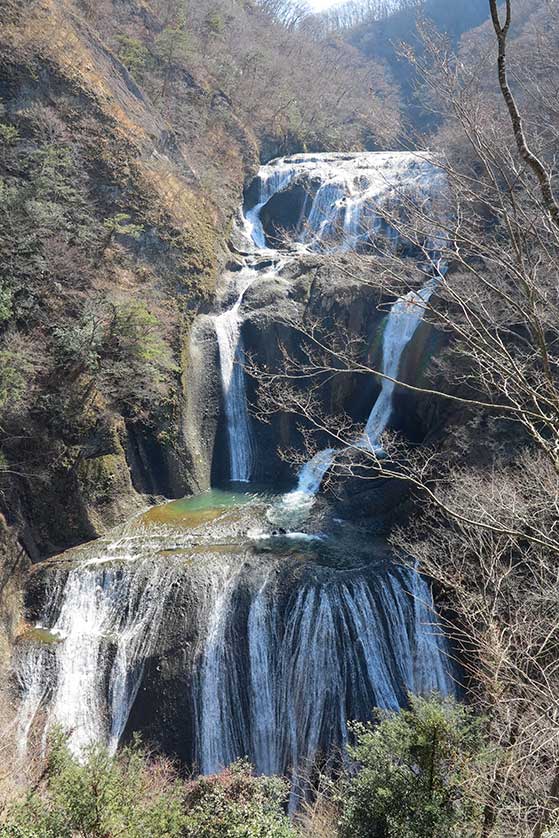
487 524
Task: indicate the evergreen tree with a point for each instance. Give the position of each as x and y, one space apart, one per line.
420 774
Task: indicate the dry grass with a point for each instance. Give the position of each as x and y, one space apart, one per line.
318 819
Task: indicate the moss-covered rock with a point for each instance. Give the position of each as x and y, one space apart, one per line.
14 564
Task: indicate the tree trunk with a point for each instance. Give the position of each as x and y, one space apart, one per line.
535 164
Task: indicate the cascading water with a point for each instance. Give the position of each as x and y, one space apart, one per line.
99 618
346 192
231 355
284 643
405 316
338 645
344 195
345 213
285 650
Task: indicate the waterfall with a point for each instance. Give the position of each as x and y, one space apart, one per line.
402 322
346 205
272 180
343 193
96 615
405 316
231 355
285 652
273 651
221 737
337 646
262 630
294 507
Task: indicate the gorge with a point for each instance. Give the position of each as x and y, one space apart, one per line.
279 419
199 624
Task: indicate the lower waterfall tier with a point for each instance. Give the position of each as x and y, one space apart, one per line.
217 640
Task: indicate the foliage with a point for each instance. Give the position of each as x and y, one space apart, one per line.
119 344
50 241
172 45
121 225
17 367
133 796
6 301
8 134
326 96
101 797
420 774
138 362
134 54
214 22
236 804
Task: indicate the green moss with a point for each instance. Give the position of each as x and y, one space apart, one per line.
99 476
42 637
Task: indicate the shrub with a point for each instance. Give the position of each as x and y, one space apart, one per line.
236 804
134 54
6 302
420 774
119 225
215 23
120 345
101 798
17 370
8 134
137 364
130 795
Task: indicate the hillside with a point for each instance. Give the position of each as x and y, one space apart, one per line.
127 135
279 419
382 34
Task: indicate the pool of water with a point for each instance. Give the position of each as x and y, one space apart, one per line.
207 507
241 519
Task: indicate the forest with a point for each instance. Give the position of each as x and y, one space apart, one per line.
279 419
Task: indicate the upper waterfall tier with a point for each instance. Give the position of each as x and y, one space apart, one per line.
337 201
329 203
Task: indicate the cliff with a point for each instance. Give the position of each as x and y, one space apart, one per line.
127 133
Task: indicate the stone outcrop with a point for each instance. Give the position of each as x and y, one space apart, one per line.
313 290
14 564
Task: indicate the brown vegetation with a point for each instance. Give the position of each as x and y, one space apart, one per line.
487 493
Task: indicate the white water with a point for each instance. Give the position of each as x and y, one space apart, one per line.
405 316
93 610
279 664
337 647
231 355
345 197
344 213
352 189
286 651
218 738
273 181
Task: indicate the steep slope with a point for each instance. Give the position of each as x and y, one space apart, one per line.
382 36
127 133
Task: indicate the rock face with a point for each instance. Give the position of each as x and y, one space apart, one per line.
306 288
286 212
218 640
14 566
309 292
203 405
64 91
